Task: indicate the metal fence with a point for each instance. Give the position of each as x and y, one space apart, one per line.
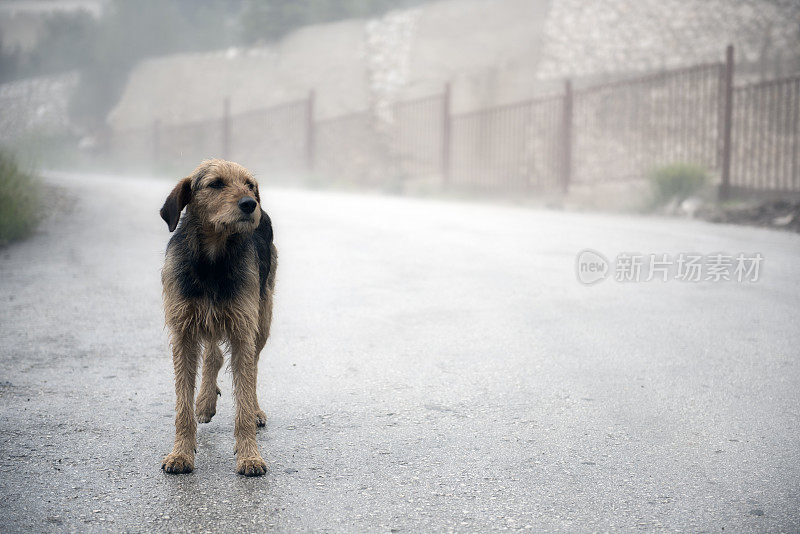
512 147
765 153
275 138
347 146
416 136
624 129
747 136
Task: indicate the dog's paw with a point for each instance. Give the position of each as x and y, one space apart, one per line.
253 466
205 413
177 463
206 406
261 418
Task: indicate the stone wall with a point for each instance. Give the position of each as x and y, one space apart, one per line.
589 37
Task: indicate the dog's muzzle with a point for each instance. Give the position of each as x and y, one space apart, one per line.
247 204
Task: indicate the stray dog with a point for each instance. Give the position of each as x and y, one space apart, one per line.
218 280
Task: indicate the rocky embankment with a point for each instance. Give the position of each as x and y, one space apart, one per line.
780 214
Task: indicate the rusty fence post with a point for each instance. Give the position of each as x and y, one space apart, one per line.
310 140
156 141
446 131
566 140
226 128
727 126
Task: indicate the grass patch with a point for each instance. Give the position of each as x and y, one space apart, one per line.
19 200
677 182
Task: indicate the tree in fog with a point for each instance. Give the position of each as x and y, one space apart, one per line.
267 21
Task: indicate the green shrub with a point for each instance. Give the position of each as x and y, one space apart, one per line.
19 200
677 181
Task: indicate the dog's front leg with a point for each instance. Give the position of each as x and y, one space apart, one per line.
185 352
248 460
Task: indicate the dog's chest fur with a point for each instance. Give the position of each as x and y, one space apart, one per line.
223 277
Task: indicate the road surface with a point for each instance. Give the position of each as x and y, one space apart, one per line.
434 366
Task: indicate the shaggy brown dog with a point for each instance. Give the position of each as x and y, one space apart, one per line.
218 280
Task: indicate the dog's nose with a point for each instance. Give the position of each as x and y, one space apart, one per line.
247 204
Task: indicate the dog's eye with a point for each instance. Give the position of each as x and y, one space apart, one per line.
217 184
250 186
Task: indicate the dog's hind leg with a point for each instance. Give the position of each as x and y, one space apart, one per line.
206 404
265 321
264 325
261 416
185 353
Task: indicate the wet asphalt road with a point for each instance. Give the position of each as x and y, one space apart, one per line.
433 367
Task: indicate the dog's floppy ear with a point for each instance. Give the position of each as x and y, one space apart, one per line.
176 201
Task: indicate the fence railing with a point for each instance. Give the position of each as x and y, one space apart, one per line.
622 130
748 136
766 146
510 147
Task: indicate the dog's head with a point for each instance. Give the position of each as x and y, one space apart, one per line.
223 195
